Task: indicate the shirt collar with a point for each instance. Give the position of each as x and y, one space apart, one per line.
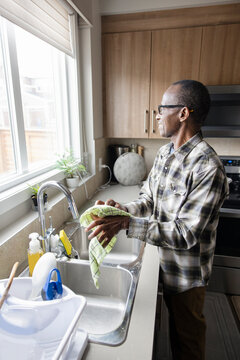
167 150
186 148
183 150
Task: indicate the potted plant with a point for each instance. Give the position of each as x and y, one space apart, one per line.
34 190
71 168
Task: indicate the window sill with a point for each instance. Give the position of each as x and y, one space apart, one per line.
32 216
20 193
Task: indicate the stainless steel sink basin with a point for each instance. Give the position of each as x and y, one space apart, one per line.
124 251
107 314
108 311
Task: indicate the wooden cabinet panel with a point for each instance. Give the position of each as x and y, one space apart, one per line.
175 56
139 66
172 18
220 57
126 78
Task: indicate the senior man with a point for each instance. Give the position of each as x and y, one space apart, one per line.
182 197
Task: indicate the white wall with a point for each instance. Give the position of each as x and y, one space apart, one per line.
108 7
97 70
91 75
84 6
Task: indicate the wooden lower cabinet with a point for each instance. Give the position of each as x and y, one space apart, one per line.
175 56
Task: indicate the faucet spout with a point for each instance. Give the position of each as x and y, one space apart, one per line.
71 204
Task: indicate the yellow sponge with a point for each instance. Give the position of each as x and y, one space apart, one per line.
66 243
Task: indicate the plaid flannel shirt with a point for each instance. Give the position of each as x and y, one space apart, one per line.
182 197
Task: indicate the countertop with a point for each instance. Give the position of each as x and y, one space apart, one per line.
139 341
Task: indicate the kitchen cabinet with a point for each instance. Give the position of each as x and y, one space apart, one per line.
126 73
175 56
137 71
143 53
220 56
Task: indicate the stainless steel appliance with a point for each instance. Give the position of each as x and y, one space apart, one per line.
223 119
226 265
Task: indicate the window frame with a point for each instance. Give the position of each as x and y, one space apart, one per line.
71 129
16 199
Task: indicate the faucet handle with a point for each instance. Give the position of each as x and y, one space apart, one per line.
51 229
50 222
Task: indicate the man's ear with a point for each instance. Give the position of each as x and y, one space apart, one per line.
184 114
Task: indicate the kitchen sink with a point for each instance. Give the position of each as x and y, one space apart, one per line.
125 250
107 313
108 309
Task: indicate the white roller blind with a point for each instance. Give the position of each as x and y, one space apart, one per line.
50 20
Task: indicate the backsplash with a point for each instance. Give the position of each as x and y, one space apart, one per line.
14 237
223 146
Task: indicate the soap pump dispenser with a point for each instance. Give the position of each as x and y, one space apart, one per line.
34 252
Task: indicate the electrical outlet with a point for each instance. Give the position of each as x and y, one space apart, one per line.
100 164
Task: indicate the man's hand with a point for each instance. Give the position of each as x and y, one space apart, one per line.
107 227
113 203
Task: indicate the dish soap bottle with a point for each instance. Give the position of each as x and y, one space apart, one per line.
34 252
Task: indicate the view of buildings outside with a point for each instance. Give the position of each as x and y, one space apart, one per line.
7 164
36 73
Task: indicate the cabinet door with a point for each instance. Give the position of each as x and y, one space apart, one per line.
220 57
126 79
175 56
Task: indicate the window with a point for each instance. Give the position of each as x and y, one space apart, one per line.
7 165
34 104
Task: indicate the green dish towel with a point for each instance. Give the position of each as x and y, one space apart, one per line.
96 251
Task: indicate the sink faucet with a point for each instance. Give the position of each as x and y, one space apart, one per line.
71 203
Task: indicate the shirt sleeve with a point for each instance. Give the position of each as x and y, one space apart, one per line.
201 206
143 206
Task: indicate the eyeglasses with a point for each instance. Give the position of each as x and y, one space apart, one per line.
160 107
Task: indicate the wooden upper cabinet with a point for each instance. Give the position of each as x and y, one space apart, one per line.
126 83
175 56
144 53
220 57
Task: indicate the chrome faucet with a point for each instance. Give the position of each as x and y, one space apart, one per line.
72 207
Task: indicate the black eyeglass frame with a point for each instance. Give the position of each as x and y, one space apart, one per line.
172 107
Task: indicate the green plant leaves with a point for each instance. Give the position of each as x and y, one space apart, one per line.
34 189
69 164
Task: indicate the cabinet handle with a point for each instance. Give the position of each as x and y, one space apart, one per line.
145 121
153 121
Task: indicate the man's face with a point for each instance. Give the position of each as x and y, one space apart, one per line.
168 118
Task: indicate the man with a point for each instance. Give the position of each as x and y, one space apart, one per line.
182 197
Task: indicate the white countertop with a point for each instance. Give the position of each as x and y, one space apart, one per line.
139 341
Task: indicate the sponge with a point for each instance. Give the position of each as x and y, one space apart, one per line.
66 243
